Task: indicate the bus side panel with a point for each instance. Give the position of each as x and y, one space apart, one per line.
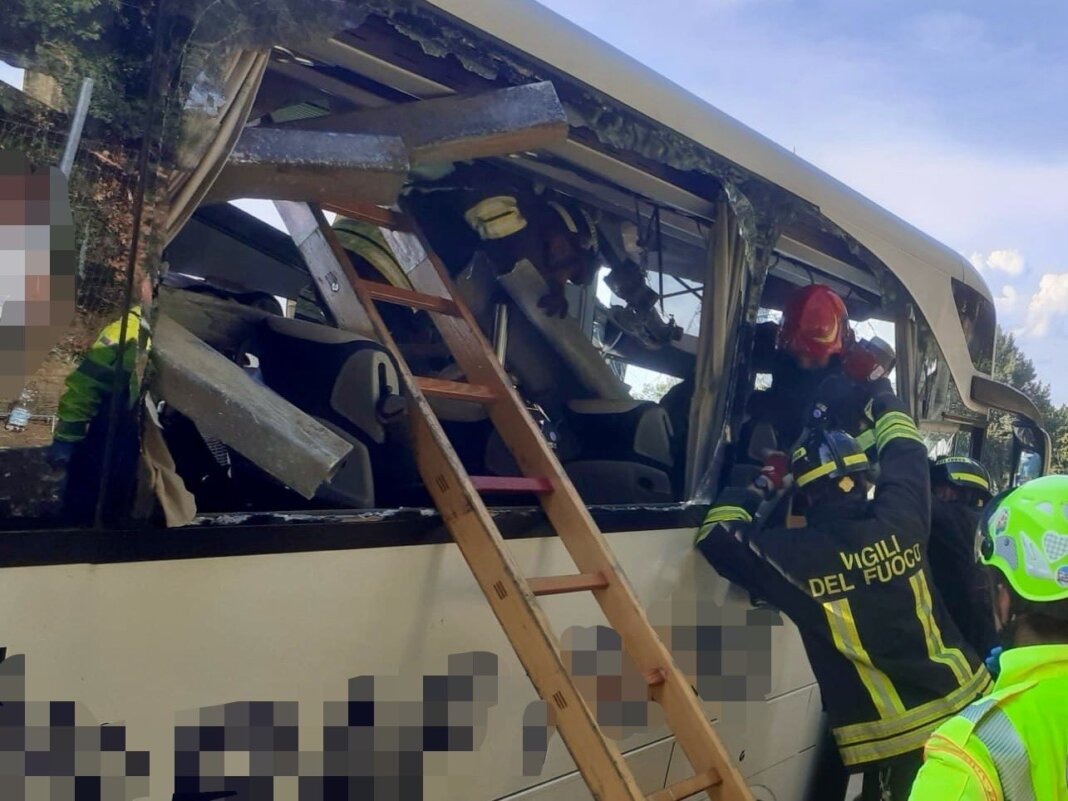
162 644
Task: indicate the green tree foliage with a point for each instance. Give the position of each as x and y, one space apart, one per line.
653 389
109 41
1012 367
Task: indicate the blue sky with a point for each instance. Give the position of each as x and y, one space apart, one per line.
11 75
953 115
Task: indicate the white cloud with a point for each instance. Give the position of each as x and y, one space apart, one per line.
1009 261
1050 301
1007 300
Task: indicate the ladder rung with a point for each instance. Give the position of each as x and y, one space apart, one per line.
413 300
511 484
457 390
557 585
687 788
366 212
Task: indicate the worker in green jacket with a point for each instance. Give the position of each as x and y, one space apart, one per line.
1012 745
80 437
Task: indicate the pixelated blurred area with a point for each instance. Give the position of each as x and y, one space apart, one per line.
101 186
237 748
55 751
373 742
724 649
616 692
607 677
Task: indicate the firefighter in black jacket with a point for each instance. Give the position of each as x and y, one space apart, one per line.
960 488
800 353
814 345
888 658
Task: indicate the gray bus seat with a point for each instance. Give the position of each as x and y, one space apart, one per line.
351 385
619 451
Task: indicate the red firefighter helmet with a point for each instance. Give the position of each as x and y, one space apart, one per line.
815 325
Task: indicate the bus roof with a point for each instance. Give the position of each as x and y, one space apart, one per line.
921 263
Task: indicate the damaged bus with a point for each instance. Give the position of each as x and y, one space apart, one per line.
280 612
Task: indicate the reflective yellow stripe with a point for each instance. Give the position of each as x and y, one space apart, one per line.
895 425
829 467
816 472
895 430
970 479
847 641
885 749
866 439
721 514
931 712
898 430
724 513
496 217
936 648
893 417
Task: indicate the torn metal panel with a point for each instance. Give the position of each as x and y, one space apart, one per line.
313 166
227 404
449 129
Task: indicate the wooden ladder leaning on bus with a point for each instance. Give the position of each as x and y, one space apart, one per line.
513 596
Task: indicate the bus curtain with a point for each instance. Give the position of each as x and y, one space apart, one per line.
210 129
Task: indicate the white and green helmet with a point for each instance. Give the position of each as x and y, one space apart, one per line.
1024 534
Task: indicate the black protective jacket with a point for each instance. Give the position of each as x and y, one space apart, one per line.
787 404
889 660
957 576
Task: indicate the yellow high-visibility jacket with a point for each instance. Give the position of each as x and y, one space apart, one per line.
1011 745
92 381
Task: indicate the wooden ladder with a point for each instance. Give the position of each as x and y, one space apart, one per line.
512 595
